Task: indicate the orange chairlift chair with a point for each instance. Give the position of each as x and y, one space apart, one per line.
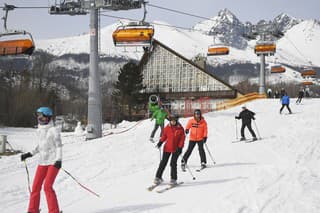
278 69
265 47
15 42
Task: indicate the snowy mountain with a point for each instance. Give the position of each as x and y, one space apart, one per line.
277 174
296 49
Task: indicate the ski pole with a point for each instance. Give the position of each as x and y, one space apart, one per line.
236 129
257 128
209 153
189 170
80 183
28 176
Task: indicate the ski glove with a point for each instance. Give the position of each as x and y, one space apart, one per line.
187 131
253 118
159 144
204 140
57 164
25 156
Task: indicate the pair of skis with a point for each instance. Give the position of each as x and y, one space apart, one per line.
246 141
152 187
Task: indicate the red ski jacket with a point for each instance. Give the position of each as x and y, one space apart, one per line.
199 129
174 137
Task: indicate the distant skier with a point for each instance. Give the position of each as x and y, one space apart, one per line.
269 92
276 94
282 93
198 135
173 136
246 116
300 96
285 100
153 105
160 115
49 147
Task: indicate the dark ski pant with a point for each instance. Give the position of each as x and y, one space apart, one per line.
189 151
248 125
156 126
299 100
46 174
173 164
287 105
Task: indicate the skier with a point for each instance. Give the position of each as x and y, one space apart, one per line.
153 105
300 95
246 116
285 100
49 147
276 94
160 115
173 136
269 92
198 135
282 93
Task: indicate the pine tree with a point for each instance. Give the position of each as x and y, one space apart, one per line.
126 89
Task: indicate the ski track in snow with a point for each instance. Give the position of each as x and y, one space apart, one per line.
277 174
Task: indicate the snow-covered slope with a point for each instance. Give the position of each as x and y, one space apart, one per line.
277 174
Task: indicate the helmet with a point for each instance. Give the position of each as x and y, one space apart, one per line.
197 111
153 99
173 118
46 111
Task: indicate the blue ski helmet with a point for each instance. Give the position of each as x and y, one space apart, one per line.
46 111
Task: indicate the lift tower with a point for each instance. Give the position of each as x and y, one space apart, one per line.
83 7
267 32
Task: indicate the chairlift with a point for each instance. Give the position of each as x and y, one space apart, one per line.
278 69
217 50
265 47
135 33
15 42
308 72
307 83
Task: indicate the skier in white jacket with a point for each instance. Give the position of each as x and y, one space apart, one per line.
49 147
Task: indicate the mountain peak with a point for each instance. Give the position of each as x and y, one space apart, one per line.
285 21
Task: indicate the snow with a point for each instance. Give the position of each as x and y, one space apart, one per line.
277 174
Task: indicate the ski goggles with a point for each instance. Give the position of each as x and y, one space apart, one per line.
42 120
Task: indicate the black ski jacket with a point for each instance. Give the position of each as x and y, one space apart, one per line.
246 116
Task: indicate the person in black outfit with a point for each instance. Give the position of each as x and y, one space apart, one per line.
246 116
300 96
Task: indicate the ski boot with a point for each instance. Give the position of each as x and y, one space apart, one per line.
183 166
173 182
242 139
157 181
203 165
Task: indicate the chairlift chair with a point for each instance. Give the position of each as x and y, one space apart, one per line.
278 69
308 72
133 35
214 50
265 47
16 46
307 83
12 43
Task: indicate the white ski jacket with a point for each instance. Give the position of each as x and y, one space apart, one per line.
49 144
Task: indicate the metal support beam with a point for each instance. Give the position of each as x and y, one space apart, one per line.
94 129
262 80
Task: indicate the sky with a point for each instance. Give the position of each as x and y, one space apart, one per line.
44 26
277 174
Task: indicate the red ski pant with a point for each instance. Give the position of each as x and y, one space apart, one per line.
47 174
